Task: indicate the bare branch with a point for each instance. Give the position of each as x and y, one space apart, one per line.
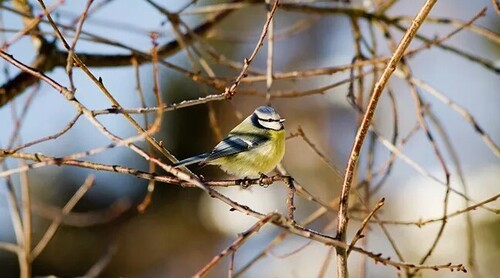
362 131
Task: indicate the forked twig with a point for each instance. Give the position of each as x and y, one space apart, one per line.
359 233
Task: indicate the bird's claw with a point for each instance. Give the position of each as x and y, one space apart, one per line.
264 180
245 182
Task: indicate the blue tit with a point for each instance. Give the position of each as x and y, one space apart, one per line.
252 148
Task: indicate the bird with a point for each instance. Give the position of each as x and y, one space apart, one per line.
251 149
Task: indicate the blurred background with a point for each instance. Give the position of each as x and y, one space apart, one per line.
183 228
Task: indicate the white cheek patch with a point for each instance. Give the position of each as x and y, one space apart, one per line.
270 125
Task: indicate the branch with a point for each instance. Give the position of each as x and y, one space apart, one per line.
342 271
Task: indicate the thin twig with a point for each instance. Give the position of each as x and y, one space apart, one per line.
100 265
359 233
291 195
471 246
83 219
270 54
421 222
26 218
50 137
231 266
17 224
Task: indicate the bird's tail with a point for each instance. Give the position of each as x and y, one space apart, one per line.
191 160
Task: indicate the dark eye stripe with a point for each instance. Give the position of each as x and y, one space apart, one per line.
260 122
268 120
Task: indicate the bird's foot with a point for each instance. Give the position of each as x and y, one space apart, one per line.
245 182
264 180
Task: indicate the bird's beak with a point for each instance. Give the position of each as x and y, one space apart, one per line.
282 120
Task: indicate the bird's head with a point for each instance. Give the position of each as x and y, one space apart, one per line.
266 117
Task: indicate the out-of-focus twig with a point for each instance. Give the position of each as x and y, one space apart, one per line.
236 244
50 232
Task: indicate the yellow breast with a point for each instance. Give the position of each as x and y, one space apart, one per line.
260 160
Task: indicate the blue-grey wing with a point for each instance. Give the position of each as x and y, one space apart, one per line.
233 145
